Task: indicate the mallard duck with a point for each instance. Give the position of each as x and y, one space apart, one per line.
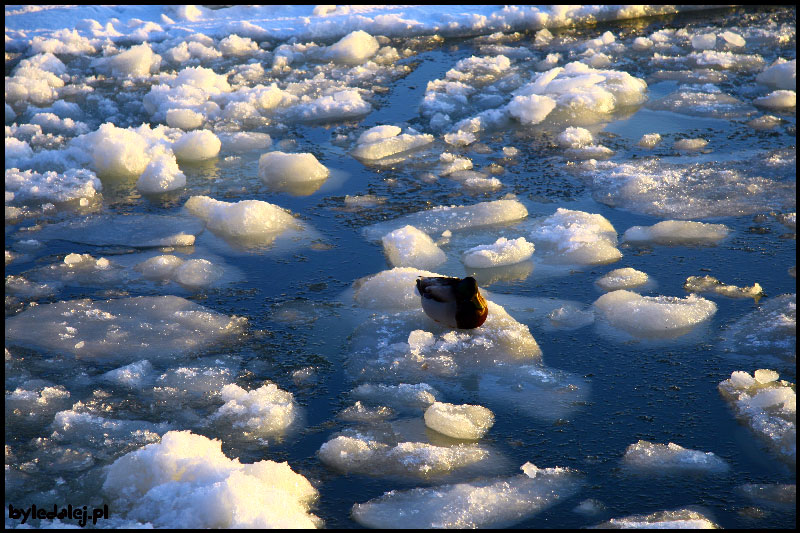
454 302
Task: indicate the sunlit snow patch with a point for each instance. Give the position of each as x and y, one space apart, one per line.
495 503
186 481
152 327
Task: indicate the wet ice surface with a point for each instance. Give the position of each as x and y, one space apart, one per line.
242 267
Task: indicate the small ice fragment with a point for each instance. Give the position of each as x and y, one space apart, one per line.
459 421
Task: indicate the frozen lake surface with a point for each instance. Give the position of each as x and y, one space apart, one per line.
215 219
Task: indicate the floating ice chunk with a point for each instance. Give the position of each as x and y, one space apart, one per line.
359 412
575 137
197 146
248 220
727 60
570 316
116 151
459 421
788 219
35 401
134 375
475 181
298 174
771 329
697 190
410 247
196 273
781 99
576 237
30 186
162 173
105 437
677 232
671 458
186 480
531 109
354 48
383 141
246 141
363 201
402 396
17 150
622 278
703 104
137 61
340 105
642 43
710 284
589 507
30 290
704 41
680 519
532 390
502 252
690 144
782 74
185 119
732 39
389 347
140 231
768 406
765 122
264 412
772 494
460 138
439 219
450 163
160 267
480 504
393 289
654 316
233 45
363 454
116 330
378 133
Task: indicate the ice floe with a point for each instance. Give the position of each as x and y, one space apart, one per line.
710 284
768 406
576 237
186 480
410 247
654 316
116 330
492 503
679 519
264 412
677 232
769 330
503 252
622 278
299 174
670 458
459 421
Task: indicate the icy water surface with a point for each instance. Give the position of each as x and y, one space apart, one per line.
617 403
